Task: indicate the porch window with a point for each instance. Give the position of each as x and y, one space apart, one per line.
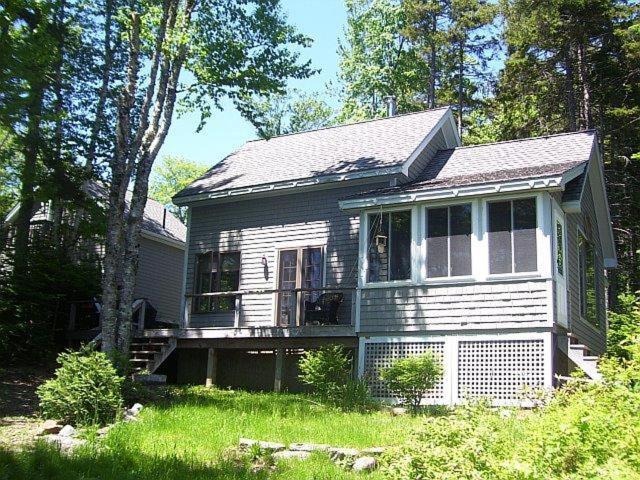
448 232
588 307
389 248
216 272
512 236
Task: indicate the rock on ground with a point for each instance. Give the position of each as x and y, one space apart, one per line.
65 444
291 454
271 446
372 451
136 408
365 464
340 453
49 427
67 431
309 447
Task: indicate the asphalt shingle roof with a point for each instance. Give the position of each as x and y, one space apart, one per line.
348 148
501 161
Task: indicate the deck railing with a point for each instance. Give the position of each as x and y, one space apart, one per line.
291 307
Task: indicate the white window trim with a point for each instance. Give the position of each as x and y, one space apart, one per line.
479 242
423 242
596 328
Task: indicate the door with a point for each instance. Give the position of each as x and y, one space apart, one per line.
560 266
299 268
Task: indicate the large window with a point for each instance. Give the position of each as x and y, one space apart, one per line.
587 259
389 247
448 232
512 236
216 272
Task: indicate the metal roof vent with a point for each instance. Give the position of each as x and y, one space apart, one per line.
392 105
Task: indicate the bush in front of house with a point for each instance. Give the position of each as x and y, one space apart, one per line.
412 377
586 432
327 370
86 389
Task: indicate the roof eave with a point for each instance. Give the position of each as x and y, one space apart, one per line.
542 183
288 185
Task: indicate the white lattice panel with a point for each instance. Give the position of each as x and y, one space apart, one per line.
380 355
499 369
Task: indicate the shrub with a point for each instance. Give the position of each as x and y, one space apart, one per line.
586 432
86 389
328 371
412 377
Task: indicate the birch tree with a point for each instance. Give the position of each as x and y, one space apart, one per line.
218 48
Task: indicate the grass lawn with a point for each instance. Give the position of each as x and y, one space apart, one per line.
189 437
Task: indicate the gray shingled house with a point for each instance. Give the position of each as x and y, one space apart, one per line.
391 238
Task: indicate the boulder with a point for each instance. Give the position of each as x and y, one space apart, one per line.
343 453
136 408
49 427
104 430
309 447
291 454
65 444
67 431
270 446
365 464
373 451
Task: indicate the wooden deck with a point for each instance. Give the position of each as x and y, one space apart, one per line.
308 331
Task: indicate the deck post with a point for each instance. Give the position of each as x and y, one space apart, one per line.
212 367
277 382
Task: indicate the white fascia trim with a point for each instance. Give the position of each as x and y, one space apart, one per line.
163 239
603 211
446 116
549 183
573 173
292 184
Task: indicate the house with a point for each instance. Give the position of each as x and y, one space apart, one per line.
161 258
389 237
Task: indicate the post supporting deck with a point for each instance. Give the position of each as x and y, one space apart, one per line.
277 382
212 367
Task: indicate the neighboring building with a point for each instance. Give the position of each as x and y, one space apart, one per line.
390 238
161 257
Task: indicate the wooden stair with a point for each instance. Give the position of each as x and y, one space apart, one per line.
147 353
580 355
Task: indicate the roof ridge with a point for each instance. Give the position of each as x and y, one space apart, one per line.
347 124
589 130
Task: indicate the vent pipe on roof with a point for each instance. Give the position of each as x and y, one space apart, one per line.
164 217
392 105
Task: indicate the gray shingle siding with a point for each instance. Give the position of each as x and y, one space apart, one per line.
452 307
159 278
258 227
587 333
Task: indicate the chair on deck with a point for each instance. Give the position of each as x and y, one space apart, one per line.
324 311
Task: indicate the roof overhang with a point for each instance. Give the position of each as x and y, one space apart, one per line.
292 185
156 237
544 183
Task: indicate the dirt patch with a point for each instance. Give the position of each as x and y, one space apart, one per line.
18 404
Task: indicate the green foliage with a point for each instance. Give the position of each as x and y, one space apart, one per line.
169 177
412 377
328 370
292 113
586 432
86 389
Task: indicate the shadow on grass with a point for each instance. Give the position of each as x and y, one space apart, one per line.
44 462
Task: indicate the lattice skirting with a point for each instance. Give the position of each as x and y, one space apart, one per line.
500 368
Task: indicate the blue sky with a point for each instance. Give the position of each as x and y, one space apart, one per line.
322 20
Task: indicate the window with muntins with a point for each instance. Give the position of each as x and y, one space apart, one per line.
512 228
588 301
559 248
448 239
216 272
389 246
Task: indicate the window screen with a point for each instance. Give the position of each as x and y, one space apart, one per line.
216 272
449 241
389 246
512 236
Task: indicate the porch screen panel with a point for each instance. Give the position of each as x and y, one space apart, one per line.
437 242
389 246
500 237
524 235
460 226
